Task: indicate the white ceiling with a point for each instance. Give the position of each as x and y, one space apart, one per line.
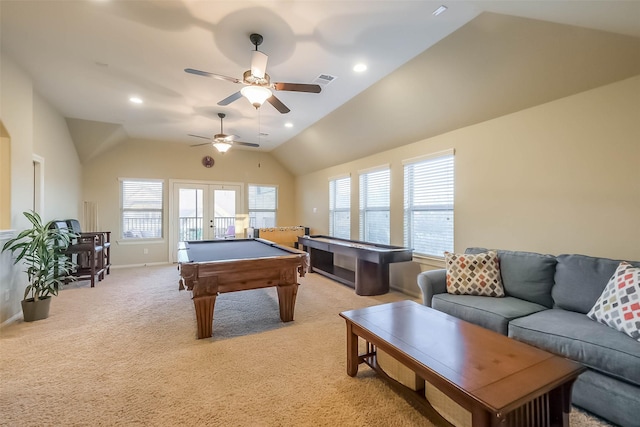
87 57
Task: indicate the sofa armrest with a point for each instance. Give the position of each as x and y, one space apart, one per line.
430 283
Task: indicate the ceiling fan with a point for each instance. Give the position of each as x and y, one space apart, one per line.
221 141
257 82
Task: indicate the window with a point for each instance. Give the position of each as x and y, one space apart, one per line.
141 209
374 206
340 207
428 204
263 203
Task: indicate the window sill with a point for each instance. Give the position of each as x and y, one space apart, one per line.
429 260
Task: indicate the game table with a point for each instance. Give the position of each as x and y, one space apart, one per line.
371 275
211 267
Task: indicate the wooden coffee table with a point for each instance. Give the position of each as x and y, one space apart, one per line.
500 381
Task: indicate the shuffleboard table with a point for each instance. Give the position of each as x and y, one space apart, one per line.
371 275
211 267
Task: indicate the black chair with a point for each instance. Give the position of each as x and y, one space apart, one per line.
88 252
104 240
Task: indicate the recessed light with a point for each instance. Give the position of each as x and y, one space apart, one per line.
359 68
288 125
439 10
135 100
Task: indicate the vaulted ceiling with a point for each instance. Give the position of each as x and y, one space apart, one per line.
426 74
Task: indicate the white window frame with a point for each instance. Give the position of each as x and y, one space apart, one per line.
365 208
123 210
249 203
334 210
437 190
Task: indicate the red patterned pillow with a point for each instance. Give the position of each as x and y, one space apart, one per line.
619 304
474 274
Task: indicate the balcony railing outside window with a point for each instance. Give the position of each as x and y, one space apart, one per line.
191 227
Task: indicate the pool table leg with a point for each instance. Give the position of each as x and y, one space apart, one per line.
287 300
204 314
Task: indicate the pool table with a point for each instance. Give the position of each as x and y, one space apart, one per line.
211 267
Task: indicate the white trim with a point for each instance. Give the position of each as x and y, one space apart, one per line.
337 177
39 204
12 319
378 168
429 260
146 264
7 234
209 188
449 152
196 181
120 179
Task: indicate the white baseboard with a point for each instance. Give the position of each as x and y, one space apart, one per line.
146 264
10 320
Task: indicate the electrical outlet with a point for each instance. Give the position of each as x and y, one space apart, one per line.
145 251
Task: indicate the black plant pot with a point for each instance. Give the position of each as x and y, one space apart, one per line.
35 310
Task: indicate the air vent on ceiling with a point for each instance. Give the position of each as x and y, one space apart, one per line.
324 79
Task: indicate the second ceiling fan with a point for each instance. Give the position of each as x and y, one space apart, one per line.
257 82
221 141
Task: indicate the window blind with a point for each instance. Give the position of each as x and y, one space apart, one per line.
263 204
428 205
374 206
340 207
141 209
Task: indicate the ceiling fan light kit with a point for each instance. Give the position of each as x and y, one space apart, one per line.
221 146
221 141
256 94
258 87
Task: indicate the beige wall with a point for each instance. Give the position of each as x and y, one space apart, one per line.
62 168
26 116
562 177
169 161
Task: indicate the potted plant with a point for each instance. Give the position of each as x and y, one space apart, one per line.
42 248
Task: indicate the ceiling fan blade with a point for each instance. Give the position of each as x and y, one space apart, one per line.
297 87
248 144
278 104
229 99
258 64
199 136
212 75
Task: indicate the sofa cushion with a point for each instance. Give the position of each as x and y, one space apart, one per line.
575 336
526 275
580 280
615 401
488 312
477 274
619 304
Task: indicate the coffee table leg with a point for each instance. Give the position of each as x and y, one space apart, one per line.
560 404
352 351
480 417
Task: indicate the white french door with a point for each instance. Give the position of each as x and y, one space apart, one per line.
204 211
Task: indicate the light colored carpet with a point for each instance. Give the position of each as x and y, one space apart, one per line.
124 353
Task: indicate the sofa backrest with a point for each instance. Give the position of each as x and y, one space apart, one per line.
580 280
526 275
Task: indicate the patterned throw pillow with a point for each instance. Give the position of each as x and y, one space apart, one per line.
474 274
619 304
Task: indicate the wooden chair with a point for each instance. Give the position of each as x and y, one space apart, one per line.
88 252
104 240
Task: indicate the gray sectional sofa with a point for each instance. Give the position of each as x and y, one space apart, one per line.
547 298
